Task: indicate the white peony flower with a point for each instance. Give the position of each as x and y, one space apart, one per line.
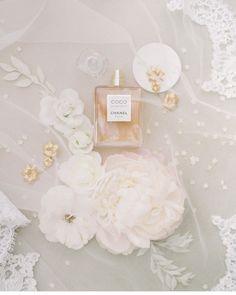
66 217
65 113
82 171
82 139
136 201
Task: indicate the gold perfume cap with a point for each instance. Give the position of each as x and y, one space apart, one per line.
118 78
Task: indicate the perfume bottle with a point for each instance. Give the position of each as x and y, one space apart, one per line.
118 114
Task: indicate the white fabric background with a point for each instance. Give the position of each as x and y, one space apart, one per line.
52 34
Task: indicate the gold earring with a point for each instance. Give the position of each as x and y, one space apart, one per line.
30 173
170 101
155 77
50 152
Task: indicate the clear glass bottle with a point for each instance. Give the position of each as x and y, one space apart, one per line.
118 114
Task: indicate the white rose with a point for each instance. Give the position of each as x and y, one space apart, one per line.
65 113
82 171
136 201
82 139
66 217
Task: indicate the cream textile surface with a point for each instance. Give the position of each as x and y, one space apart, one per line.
201 132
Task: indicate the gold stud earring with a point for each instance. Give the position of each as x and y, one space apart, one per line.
50 152
170 101
30 173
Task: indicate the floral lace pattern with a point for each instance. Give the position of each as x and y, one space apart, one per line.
227 229
221 26
16 271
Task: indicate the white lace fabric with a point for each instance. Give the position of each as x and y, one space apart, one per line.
221 25
16 271
227 228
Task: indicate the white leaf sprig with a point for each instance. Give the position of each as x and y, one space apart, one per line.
20 72
177 243
166 270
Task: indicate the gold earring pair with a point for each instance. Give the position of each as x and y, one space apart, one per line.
50 152
31 172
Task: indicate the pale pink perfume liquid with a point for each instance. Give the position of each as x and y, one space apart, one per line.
118 115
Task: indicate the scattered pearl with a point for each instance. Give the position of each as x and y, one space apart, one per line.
209 167
167 141
156 124
67 262
187 67
224 129
194 160
176 154
205 186
215 136
148 131
52 285
24 137
198 142
180 132
5 96
18 49
183 153
35 215
224 187
214 161
184 50
227 117
196 111
200 124
205 286
20 142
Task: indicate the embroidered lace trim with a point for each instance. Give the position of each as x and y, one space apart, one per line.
227 229
16 271
221 25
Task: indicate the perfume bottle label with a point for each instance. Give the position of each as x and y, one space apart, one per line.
118 108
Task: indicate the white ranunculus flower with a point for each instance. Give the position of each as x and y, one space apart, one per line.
82 139
136 201
66 217
65 113
82 171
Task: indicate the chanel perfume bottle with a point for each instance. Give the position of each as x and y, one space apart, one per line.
118 114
